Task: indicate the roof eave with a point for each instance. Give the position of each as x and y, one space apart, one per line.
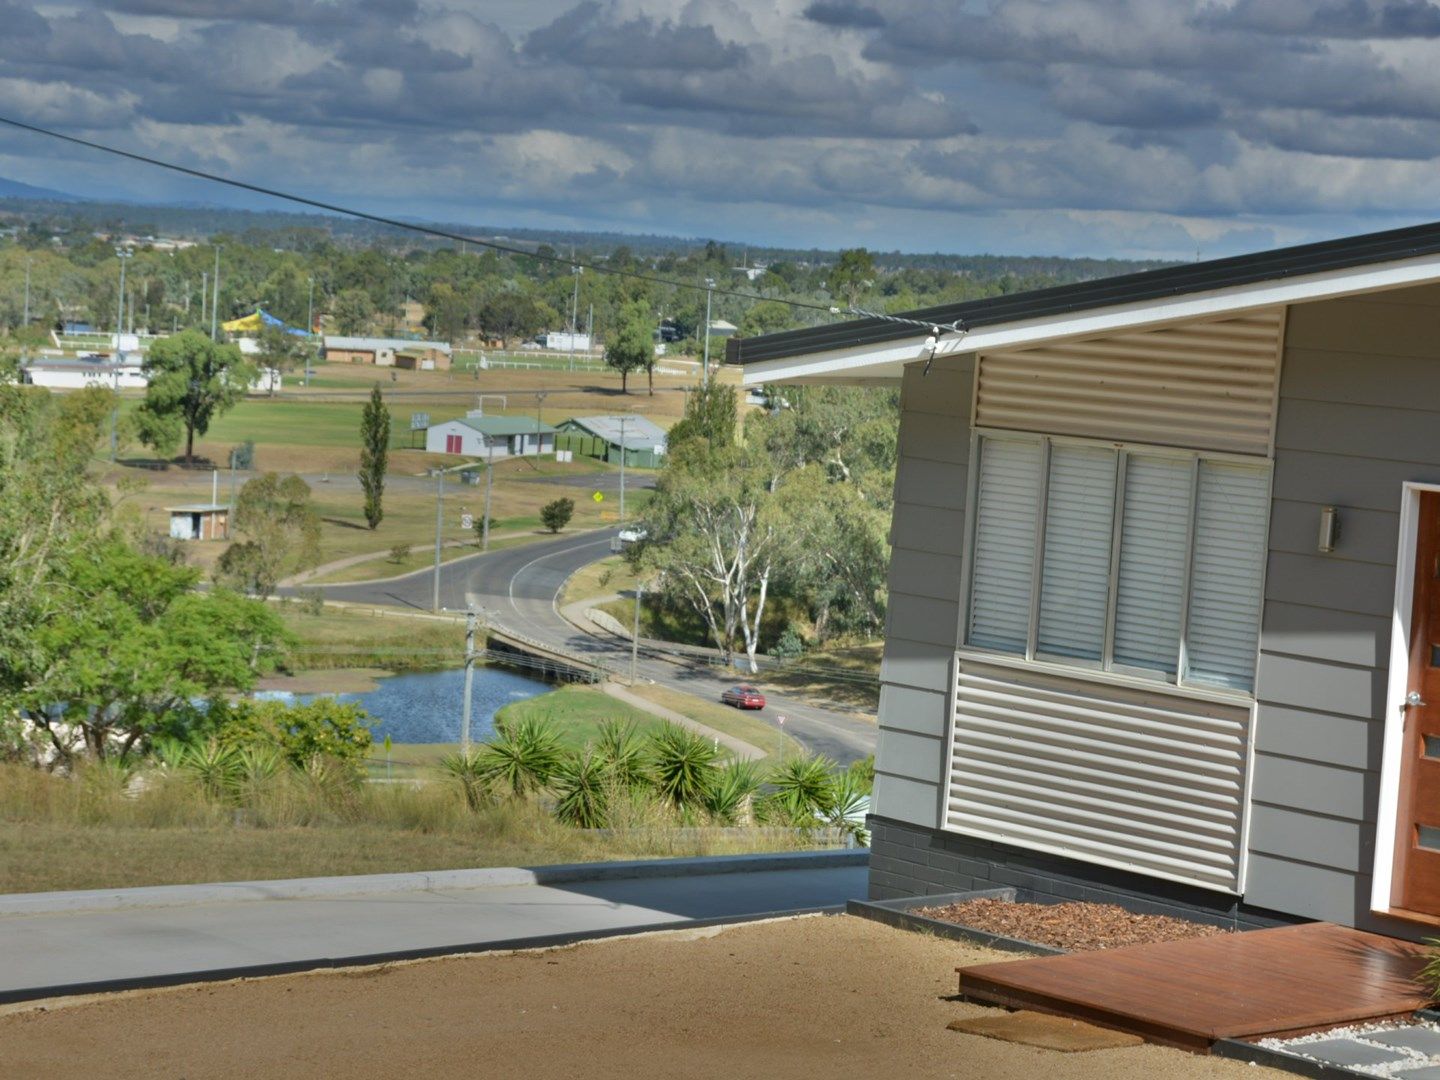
886 361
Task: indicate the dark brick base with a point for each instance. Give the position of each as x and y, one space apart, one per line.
910 860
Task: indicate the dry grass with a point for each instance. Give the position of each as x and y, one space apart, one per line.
96 831
352 638
845 678
723 718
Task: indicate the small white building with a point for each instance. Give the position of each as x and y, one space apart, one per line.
125 374
199 521
565 341
491 437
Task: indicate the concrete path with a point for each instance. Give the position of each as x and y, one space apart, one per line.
739 747
86 951
375 556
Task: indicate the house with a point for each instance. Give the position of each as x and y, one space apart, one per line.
1163 620
722 328
565 341
603 436
382 351
476 435
201 521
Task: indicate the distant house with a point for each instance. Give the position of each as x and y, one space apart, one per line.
200 521
382 351
722 328
491 437
564 341
603 437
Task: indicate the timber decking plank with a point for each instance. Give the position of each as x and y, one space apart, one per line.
1195 991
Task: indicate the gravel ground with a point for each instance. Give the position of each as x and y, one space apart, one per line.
1076 927
820 996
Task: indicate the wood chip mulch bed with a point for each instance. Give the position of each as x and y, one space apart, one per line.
1076 927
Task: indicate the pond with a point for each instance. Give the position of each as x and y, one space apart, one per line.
424 707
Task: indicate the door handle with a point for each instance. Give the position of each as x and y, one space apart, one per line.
1413 700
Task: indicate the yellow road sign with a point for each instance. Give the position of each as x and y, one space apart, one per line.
599 496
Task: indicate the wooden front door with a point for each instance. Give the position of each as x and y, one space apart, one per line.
1417 841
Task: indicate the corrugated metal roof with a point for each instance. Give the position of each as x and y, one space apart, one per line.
197 508
640 433
504 425
1352 251
370 343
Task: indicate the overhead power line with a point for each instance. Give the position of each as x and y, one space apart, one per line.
442 234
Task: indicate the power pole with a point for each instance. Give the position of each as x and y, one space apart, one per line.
705 370
470 620
574 311
485 520
204 295
25 321
123 254
215 300
623 421
439 524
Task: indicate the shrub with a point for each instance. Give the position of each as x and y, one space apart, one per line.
467 768
556 515
325 727
683 766
730 795
620 749
790 644
311 601
802 789
523 757
583 786
398 554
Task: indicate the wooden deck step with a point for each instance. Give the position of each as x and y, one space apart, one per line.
1190 993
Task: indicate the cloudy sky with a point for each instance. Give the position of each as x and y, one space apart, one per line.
1127 127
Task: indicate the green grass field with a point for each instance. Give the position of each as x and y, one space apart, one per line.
577 713
348 638
742 725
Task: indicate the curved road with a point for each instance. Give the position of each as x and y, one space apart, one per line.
517 588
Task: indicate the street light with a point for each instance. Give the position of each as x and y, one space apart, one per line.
440 526
124 254
310 329
215 299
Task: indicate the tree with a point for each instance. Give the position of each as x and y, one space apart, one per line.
766 317
556 515
281 351
710 414
851 275
352 310
374 455
278 528
512 313
718 534
192 381
632 345
135 651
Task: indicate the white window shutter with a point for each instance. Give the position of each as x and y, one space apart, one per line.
1154 538
1006 506
1231 513
1075 578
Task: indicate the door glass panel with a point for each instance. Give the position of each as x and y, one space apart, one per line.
1427 837
1432 746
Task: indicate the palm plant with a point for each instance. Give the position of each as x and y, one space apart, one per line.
620 747
468 769
733 787
849 799
524 757
803 788
583 787
683 766
214 766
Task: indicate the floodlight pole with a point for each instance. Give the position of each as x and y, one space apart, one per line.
485 521
705 369
25 319
310 329
215 299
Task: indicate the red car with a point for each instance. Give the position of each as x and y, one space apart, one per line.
743 697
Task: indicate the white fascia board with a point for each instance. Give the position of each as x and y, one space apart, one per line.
886 361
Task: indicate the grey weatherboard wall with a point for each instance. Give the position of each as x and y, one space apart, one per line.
928 537
1359 414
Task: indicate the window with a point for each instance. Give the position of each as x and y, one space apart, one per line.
1143 562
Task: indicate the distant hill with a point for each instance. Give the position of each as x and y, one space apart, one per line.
14 189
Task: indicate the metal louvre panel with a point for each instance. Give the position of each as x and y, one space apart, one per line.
1154 535
1006 505
1075 580
1147 782
1207 386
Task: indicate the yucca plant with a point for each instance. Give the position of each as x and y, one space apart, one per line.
803 788
849 799
468 769
524 757
620 747
583 786
683 766
729 796
214 766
